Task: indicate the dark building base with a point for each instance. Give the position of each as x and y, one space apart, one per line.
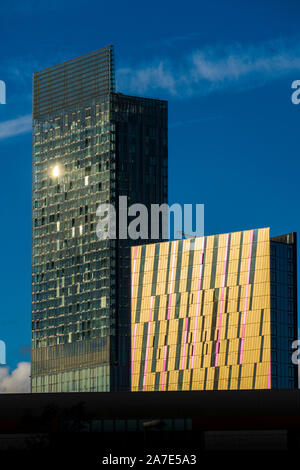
93 427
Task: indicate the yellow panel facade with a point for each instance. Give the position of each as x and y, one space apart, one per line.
201 313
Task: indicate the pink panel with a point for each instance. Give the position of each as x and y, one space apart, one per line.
133 270
133 348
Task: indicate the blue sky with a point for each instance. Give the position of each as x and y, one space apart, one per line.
226 69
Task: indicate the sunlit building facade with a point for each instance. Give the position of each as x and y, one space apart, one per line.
90 146
214 313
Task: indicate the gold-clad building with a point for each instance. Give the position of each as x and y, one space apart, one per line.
214 313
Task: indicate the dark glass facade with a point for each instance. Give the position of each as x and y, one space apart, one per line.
90 146
283 310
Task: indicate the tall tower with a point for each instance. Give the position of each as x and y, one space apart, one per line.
90 146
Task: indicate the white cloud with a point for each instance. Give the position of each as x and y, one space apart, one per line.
18 381
214 68
157 75
20 125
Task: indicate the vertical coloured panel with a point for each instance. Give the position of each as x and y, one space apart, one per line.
211 329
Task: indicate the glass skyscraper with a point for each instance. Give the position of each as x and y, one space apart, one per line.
215 313
90 146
